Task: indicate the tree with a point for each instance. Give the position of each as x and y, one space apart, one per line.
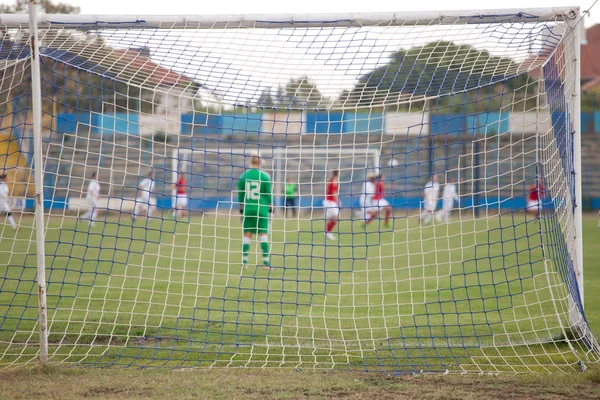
265 100
302 92
47 6
434 70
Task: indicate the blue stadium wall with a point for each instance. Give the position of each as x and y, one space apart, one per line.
244 121
334 122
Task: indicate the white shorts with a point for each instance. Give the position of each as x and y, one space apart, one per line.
91 202
371 207
448 205
332 210
180 201
363 201
430 205
534 205
4 207
381 203
145 202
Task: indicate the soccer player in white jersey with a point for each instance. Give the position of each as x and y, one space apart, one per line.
93 192
144 201
5 203
449 196
430 200
366 197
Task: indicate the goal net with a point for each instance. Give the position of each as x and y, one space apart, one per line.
465 254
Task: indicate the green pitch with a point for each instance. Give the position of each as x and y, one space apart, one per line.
176 294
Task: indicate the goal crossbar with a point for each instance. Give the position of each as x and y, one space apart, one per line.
235 21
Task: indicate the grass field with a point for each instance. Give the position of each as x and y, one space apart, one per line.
473 295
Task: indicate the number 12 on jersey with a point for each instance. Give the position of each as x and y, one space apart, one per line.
252 190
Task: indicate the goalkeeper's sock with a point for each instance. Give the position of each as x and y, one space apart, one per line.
264 245
245 249
388 214
12 222
330 225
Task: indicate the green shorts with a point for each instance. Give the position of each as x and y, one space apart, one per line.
256 223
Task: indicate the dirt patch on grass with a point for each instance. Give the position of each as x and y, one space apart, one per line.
103 392
76 383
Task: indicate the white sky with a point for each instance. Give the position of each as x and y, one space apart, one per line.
138 7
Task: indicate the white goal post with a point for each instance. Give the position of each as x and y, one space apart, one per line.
486 101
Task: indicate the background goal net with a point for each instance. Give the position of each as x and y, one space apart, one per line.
486 102
215 172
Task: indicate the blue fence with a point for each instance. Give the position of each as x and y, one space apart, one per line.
350 202
238 122
353 202
482 123
122 123
316 122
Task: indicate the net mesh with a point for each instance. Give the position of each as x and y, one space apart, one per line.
489 284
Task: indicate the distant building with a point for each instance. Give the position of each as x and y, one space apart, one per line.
590 60
164 87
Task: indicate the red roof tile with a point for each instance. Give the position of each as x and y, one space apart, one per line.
148 71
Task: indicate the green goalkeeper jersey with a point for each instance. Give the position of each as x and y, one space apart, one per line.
254 192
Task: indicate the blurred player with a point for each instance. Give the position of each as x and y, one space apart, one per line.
256 204
379 203
5 203
332 204
144 201
430 200
180 202
366 198
93 192
290 197
449 196
534 205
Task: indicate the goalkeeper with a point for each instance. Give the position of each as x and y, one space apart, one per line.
255 200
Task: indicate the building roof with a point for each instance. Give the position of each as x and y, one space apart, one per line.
146 71
127 65
590 53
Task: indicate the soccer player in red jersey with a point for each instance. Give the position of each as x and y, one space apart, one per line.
534 205
332 204
180 201
379 203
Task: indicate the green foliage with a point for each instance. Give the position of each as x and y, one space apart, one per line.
438 69
266 100
297 93
590 101
302 92
49 7
161 137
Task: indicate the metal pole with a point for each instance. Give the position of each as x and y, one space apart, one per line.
577 217
36 92
431 141
476 178
278 177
